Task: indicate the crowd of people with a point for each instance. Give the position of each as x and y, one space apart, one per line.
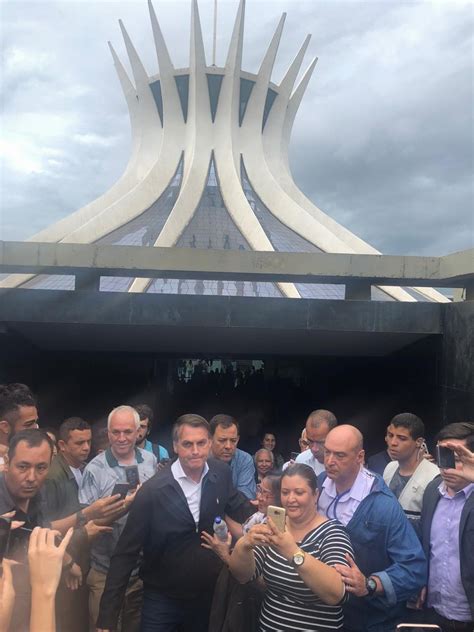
124 538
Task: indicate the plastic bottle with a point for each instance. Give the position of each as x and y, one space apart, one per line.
220 529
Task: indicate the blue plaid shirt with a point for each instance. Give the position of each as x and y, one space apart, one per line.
98 481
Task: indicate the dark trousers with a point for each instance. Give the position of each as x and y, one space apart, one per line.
448 625
165 614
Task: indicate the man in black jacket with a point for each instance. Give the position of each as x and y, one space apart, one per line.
447 528
166 521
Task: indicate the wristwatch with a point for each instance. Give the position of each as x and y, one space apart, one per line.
371 586
81 520
298 558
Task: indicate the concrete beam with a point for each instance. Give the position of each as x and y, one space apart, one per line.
455 270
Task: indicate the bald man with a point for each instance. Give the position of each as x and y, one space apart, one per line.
318 424
389 566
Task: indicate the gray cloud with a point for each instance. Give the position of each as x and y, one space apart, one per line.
382 142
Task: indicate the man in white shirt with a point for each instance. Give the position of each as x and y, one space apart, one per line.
318 425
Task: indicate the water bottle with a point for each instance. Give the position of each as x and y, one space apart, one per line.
220 529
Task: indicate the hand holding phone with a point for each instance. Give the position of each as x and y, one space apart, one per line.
278 515
122 489
132 475
445 458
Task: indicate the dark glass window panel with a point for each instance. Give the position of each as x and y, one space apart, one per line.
246 87
156 91
269 101
214 83
51 282
182 83
213 227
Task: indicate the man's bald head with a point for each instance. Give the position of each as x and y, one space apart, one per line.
349 435
344 455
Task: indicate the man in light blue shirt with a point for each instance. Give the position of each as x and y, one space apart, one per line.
225 438
98 481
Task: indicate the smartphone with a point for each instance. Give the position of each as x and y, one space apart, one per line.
133 477
122 489
5 525
294 455
445 457
278 515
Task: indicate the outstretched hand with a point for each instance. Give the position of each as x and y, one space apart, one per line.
220 548
45 559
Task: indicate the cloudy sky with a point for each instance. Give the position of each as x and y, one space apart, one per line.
383 141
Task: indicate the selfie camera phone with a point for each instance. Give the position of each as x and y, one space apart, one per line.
278 515
132 475
122 489
445 457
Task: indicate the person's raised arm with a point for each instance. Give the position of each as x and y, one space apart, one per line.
320 576
45 561
242 561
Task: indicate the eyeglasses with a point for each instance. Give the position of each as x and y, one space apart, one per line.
320 443
263 492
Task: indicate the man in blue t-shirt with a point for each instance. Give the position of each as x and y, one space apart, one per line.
146 420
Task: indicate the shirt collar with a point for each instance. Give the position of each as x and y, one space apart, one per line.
112 461
467 491
180 473
357 491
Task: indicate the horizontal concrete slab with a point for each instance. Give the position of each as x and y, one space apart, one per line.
453 270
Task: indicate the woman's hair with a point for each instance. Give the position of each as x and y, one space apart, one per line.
274 480
305 471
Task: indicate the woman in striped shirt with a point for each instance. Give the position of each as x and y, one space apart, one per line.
304 590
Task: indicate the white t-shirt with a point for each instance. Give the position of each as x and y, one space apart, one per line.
307 458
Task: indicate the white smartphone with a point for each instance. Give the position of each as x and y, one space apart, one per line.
278 515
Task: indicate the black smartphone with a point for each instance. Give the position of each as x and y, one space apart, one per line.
5 526
122 489
133 477
445 457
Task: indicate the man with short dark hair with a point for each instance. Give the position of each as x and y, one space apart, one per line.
409 473
225 438
146 420
166 520
18 410
27 465
318 424
389 565
447 529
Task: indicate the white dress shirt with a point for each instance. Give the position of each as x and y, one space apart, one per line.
342 506
191 489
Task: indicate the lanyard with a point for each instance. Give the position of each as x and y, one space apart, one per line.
335 502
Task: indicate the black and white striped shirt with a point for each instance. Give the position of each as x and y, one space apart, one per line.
289 605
